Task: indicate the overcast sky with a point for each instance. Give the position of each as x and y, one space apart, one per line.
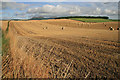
60 0
25 10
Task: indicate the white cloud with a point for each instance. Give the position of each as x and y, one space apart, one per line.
63 9
107 11
72 10
49 10
97 11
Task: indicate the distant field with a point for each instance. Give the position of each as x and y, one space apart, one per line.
92 20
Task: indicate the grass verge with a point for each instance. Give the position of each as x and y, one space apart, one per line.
5 41
8 26
5 44
0 41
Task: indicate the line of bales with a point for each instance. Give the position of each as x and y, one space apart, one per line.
62 28
111 28
97 17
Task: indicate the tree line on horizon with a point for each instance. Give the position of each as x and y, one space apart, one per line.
102 17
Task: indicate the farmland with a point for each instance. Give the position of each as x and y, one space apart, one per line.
61 48
93 19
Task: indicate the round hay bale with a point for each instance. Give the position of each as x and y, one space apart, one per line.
118 28
62 28
111 28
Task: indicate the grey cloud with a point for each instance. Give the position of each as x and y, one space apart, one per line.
19 13
14 5
60 0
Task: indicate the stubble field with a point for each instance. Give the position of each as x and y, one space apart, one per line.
61 48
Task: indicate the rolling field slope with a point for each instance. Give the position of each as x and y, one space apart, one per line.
42 49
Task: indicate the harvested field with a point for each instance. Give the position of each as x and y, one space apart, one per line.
42 49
